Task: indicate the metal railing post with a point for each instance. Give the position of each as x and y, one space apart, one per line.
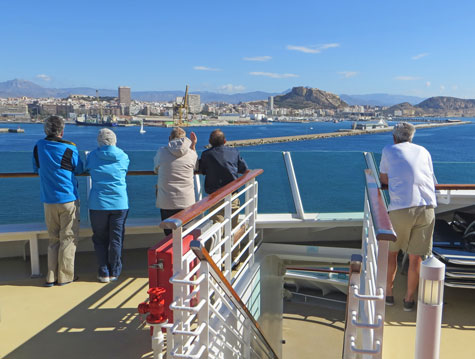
178 290
227 234
293 185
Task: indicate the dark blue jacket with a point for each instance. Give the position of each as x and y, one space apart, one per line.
221 165
57 161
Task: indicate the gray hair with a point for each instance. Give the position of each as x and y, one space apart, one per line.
106 137
54 126
404 132
177 132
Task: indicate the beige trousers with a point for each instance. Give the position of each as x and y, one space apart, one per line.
62 220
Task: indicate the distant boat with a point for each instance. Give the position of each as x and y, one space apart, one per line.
142 131
102 121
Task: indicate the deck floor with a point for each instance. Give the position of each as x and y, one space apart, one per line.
88 319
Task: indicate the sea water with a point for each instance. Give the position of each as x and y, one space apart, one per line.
329 171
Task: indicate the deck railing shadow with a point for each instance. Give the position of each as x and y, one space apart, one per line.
104 325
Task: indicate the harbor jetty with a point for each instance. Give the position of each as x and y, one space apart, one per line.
341 133
12 130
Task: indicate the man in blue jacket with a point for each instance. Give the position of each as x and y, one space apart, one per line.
57 162
221 165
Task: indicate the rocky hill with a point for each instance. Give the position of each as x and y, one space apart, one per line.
436 106
406 109
305 97
449 106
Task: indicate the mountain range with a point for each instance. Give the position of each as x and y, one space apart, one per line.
18 88
380 99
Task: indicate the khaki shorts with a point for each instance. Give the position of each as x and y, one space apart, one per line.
414 228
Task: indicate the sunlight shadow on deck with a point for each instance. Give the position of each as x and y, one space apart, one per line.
84 319
308 327
104 325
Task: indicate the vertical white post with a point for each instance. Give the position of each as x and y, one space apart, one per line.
198 191
429 308
203 314
34 257
178 290
157 341
293 185
251 208
227 233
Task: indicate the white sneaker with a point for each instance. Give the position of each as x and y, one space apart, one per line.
112 279
104 279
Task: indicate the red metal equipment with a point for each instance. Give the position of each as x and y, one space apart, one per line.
160 270
155 306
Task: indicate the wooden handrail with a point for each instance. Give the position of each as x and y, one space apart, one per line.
382 224
31 174
195 210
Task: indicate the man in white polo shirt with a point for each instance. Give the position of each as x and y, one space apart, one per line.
407 170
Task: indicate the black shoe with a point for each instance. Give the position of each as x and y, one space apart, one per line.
74 279
50 284
408 306
389 300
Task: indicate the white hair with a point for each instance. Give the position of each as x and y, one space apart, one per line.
404 132
177 132
106 137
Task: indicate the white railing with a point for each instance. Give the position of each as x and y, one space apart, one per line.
206 321
367 283
235 331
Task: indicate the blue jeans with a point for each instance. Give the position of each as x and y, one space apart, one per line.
108 229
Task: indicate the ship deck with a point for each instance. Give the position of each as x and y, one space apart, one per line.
88 319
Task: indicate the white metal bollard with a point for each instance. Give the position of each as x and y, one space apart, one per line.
429 308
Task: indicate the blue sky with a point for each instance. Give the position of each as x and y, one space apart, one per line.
421 48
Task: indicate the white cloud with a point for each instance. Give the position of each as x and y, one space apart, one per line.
348 74
329 46
442 88
407 78
205 68
257 58
232 88
273 75
428 83
455 87
44 77
420 56
312 49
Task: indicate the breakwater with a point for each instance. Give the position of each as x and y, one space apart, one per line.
11 130
317 136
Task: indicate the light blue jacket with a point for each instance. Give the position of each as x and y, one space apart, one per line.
108 166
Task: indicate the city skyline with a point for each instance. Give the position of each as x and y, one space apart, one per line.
346 47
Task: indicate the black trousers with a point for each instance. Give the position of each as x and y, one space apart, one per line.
165 213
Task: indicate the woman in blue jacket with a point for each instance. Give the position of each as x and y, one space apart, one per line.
108 203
